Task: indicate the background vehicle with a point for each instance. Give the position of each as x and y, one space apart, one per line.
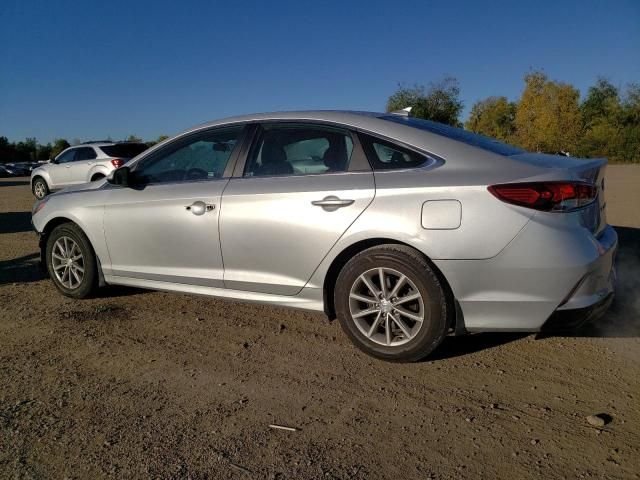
401 228
81 164
21 168
7 171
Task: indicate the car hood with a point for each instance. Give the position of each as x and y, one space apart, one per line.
83 187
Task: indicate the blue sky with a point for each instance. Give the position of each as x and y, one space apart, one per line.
112 68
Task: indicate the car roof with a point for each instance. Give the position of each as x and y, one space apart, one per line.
344 117
104 144
376 123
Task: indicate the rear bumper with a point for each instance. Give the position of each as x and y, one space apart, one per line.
599 281
570 319
551 266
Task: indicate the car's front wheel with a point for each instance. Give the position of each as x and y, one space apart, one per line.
391 304
40 188
71 261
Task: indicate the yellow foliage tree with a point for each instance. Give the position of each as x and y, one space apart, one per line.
548 117
493 117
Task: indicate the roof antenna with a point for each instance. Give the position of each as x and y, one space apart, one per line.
405 112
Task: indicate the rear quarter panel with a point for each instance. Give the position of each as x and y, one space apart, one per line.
486 226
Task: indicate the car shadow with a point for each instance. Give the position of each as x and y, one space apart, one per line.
23 269
15 222
27 269
459 346
13 183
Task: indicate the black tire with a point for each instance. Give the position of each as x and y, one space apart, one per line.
416 268
97 176
89 283
39 185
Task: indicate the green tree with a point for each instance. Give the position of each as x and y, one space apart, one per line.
548 117
44 152
133 138
602 128
160 138
440 101
602 101
630 141
25 151
59 144
7 150
493 117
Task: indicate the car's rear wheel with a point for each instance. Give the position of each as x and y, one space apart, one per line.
97 176
71 261
391 304
40 188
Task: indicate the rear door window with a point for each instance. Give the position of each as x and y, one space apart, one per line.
123 150
85 153
299 150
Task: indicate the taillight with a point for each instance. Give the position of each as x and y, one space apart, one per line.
117 162
547 196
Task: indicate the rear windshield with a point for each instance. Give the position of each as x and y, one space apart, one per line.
124 150
459 134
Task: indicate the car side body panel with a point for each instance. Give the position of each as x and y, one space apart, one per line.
508 267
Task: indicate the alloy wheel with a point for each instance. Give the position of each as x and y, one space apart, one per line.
386 306
39 190
67 262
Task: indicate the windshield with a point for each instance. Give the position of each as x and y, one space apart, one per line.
124 150
459 134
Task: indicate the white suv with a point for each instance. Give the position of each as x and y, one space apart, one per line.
81 164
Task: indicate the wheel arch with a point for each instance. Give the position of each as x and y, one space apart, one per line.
44 236
455 318
97 170
41 175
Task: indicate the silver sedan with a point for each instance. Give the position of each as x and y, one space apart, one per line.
405 230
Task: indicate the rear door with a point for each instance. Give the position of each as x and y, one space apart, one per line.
79 168
301 187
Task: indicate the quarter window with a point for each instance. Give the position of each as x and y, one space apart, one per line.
202 157
385 155
299 150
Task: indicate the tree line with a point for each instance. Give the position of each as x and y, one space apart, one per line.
30 150
549 116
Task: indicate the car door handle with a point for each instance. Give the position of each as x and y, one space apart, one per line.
200 208
332 203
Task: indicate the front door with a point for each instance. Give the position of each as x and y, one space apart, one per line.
165 228
297 195
60 171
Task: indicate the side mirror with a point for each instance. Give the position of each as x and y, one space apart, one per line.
53 160
120 176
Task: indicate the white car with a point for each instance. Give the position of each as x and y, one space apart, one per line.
83 163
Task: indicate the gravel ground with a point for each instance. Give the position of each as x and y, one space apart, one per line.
138 384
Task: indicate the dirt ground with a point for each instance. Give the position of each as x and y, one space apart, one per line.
138 384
